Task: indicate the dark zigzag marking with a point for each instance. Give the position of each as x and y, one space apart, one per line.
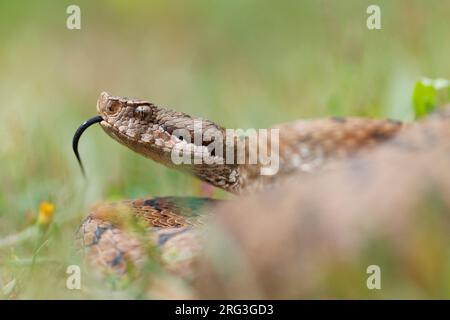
185 206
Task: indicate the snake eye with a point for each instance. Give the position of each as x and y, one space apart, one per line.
113 106
142 112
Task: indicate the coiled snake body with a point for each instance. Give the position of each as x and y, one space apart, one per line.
173 224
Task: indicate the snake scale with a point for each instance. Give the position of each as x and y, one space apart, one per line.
114 235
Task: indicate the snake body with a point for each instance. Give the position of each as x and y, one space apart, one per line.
109 234
316 236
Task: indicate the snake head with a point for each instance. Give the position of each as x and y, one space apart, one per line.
159 133
122 118
117 110
147 128
127 120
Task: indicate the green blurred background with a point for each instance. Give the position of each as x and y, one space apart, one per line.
247 63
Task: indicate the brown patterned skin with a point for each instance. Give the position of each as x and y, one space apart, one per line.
112 235
110 239
304 146
147 129
314 237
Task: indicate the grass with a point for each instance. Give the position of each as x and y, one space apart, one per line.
242 63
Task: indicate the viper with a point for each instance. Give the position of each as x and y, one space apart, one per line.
306 148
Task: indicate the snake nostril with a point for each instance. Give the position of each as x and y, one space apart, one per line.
112 107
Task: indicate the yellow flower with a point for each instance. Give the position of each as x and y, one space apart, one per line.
46 210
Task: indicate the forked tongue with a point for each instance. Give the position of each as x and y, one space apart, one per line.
77 136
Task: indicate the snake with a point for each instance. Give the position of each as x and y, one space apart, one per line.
115 236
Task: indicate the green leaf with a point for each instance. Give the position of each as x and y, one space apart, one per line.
426 95
424 99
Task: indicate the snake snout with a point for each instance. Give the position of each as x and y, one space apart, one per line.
102 101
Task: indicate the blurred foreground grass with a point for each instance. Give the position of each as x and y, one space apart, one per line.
241 63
